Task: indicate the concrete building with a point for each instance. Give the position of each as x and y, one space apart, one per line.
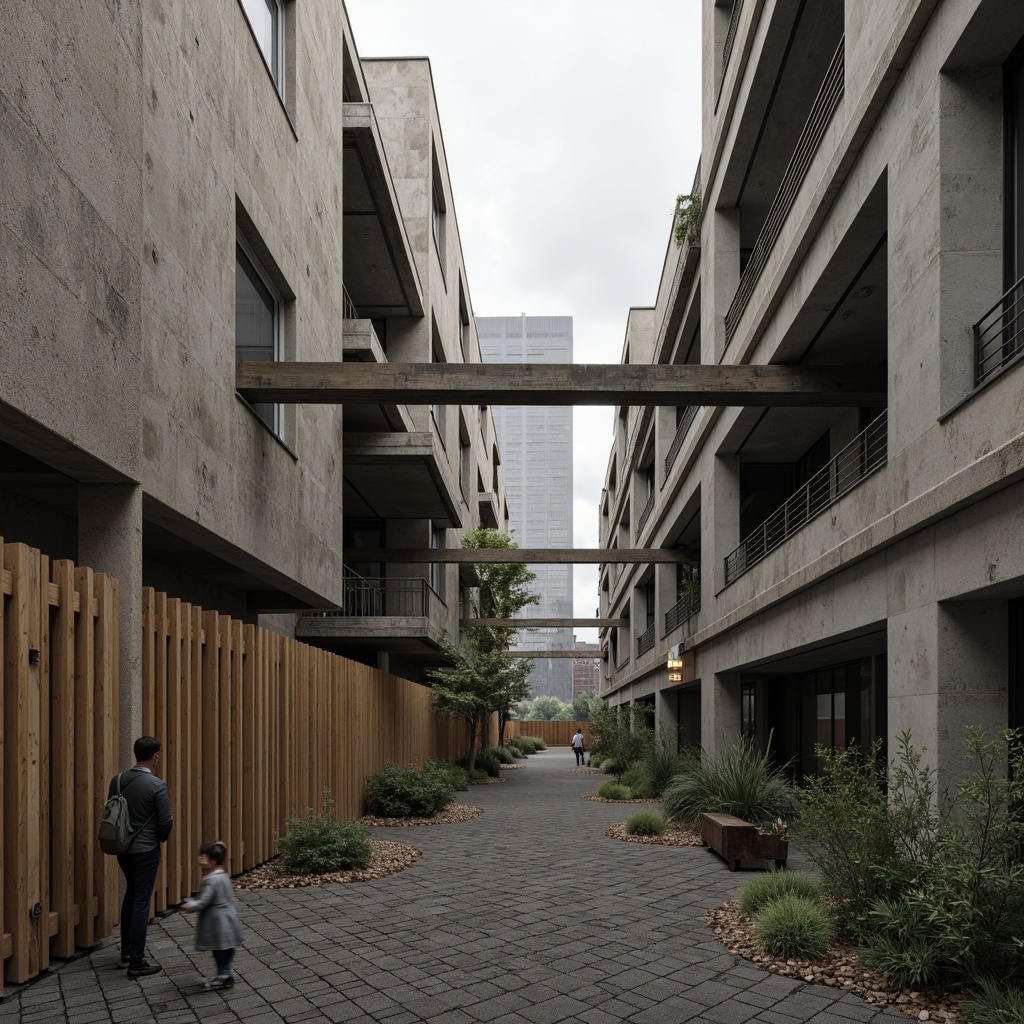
845 574
191 187
536 449
586 672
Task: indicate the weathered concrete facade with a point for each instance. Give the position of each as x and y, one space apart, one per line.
154 155
856 573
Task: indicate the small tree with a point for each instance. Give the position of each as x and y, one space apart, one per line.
550 709
583 704
484 676
621 734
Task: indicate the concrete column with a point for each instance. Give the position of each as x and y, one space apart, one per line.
666 710
720 711
110 541
948 667
720 520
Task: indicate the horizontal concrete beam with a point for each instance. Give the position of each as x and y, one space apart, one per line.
531 556
542 623
558 384
578 655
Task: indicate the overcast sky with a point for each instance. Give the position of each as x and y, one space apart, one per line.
569 126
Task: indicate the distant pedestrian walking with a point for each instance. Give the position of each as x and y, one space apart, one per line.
578 746
151 820
218 931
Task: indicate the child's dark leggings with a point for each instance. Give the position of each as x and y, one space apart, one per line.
223 959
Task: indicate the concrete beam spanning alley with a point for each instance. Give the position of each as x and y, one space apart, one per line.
542 623
531 556
578 655
558 384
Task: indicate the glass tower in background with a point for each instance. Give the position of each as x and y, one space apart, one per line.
536 456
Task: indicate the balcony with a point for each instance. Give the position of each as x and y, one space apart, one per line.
645 641
824 107
854 464
645 514
730 38
682 428
489 509
999 336
686 607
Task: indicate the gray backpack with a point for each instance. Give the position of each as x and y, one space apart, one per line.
115 831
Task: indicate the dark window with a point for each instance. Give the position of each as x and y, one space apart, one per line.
257 326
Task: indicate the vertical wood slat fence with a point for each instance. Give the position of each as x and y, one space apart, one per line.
254 727
554 734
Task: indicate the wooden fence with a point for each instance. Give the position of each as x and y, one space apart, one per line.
554 734
254 726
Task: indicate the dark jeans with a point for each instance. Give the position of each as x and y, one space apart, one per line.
223 959
578 751
139 870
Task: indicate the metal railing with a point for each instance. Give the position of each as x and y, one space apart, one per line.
682 428
374 596
824 106
644 515
730 36
858 460
687 606
999 335
623 662
348 307
645 641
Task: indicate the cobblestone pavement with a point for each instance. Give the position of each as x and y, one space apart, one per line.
525 915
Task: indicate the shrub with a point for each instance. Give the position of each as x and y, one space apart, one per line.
410 792
516 745
539 742
526 744
903 947
991 1005
478 775
657 767
503 754
766 888
320 843
794 927
644 823
608 766
596 760
459 776
740 781
620 736
614 791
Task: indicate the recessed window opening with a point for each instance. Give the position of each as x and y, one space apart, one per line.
258 324
266 19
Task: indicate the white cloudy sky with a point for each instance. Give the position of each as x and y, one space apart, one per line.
569 126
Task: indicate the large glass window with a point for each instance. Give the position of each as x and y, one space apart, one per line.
257 325
266 18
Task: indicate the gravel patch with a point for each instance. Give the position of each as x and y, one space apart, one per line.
675 835
605 800
585 771
486 782
840 969
511 767
385 859
452 814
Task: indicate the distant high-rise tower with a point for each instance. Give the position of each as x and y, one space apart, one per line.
536 455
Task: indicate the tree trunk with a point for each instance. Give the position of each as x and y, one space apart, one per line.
472 744
502 719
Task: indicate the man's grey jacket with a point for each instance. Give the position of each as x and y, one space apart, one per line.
147 798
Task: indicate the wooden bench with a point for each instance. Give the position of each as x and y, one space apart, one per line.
736 840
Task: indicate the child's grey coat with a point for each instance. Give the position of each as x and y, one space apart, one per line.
218 926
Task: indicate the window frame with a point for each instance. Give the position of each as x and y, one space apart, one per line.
278 48
241 245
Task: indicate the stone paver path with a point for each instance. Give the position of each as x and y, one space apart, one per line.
525 915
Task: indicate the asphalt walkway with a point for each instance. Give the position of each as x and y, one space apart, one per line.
525 915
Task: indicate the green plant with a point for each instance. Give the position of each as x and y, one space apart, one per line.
478 775
902 945
645 823
538 742
766 888
620 736
458 775
687 218
794 927
503 754
608 765
993 1005
485 762
742 781
412 791
657 767
614 791
319 843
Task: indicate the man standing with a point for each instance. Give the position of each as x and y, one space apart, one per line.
577 746
149 813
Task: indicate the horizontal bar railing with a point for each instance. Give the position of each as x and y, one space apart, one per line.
644 515
999 334
687 606
645 641
682 428
858 460
824 106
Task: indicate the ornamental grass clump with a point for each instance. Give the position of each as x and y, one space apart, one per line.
319 843
645 823
650 776
503 754
614 791
766 888
794 927
409 792
742 781
993 1005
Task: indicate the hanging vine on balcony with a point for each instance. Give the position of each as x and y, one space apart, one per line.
687 218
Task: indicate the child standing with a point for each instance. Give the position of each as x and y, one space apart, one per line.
218 929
